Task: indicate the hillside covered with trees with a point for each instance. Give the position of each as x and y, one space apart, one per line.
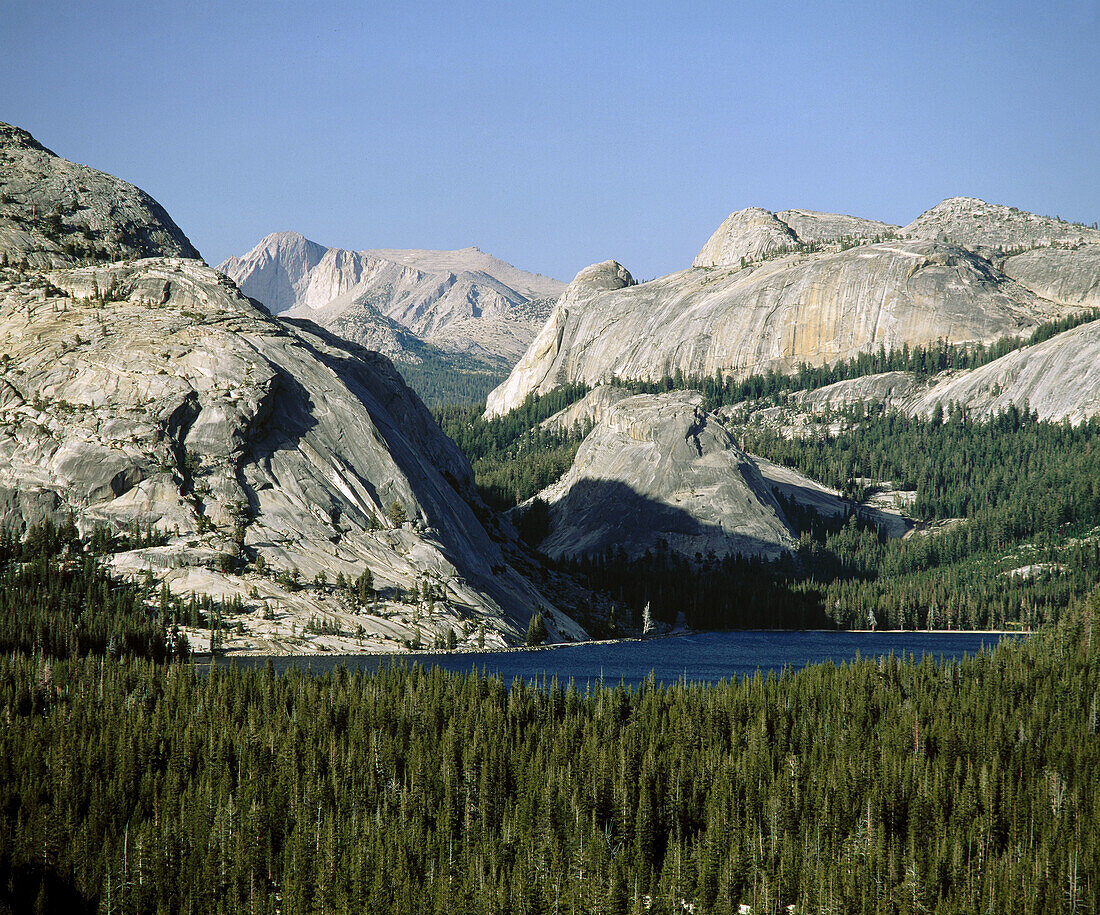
898 785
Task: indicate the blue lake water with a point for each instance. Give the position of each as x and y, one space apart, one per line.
705 657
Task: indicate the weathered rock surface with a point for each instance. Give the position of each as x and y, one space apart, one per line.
57 213
771 291
587 411
817 309
755 234
150 393
1070 276
890 390
811 226
496 340
1058 379
659 468
989 228
180 405
465 301
367 327
747 235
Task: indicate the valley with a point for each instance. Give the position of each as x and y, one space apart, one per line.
817 435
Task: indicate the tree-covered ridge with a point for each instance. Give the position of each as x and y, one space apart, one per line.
890 786
513 460
448 378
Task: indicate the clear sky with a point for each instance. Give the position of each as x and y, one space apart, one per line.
555 135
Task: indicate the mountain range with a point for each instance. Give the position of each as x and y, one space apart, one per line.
766 294
242 433
245 456
461 302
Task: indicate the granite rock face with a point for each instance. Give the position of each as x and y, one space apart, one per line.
177 404
465 301
152 394
1070 276
750 234
587 411
890 390
1057 260
755 234
1059 379
773 316
829 300
989 227
811 226
56 213
658 468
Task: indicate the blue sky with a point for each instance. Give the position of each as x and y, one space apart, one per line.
559 134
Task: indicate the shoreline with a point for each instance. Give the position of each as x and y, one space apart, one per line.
251 656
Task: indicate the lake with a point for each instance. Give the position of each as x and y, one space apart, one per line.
704 657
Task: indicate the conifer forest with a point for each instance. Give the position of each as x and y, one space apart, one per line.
132 781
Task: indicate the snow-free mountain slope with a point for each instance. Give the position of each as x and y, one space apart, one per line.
1070 276
1059 379
658 469
762 298
151 393
54 212
755 234
980 226
463 301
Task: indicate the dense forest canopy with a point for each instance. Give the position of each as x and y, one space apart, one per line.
897 785
1011 503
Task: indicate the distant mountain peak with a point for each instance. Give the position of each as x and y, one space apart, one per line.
462 300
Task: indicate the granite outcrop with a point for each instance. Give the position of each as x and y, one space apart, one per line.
762 297
660 472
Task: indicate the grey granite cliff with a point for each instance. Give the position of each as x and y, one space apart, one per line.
151 393
659 469
57 213
817 298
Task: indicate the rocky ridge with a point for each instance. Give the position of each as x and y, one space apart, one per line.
755 234
819 305
56 213
1070 276
1059 379
463 301
989 227
150 394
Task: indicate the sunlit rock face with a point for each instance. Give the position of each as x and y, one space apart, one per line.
1059 379
462 301
152 394
657 472
57 213
989 227
767 294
